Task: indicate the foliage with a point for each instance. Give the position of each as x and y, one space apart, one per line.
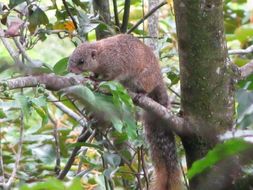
48 35
219 153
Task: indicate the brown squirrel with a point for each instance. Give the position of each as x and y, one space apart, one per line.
126 59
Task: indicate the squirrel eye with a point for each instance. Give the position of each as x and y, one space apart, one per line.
81 62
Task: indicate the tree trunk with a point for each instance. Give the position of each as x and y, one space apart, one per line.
102 7
207 94
153 31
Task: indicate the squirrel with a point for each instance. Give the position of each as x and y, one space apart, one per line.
126 59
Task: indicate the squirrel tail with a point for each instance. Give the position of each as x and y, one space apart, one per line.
163 153
162 146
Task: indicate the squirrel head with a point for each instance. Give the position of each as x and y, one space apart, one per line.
83 59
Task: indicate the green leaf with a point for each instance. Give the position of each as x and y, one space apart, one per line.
80 144
50 184
247 83
13 3
25 105
2 114
40 106
108 173
220 152
84 94
37 18
112 159
120 95
60 68
44 153
75 185
85 26
40 101
117 124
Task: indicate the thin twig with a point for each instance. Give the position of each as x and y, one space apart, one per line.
139 165
144 167
173 91
123 28
76 107
241 51
69 13
146 16
83 137
104 167
94 132
137 175
22 50
143 14
184 176
82 120
19 153
1 158
57 145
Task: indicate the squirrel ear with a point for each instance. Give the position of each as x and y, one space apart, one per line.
93 54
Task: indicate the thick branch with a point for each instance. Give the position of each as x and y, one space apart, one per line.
175 123
53 82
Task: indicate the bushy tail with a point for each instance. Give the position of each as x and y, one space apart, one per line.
163 153
162 146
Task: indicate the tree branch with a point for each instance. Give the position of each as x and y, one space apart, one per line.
146 16
116 16
53 82
22 50
244 134
83 137
57 145
13 53
1 160
241 51
70 14
123 28
246 70
175 123
19 153
85 134
81 120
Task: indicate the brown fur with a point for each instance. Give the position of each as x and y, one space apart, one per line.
126 59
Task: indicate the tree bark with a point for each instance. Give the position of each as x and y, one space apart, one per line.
102 7
153 30
207 94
